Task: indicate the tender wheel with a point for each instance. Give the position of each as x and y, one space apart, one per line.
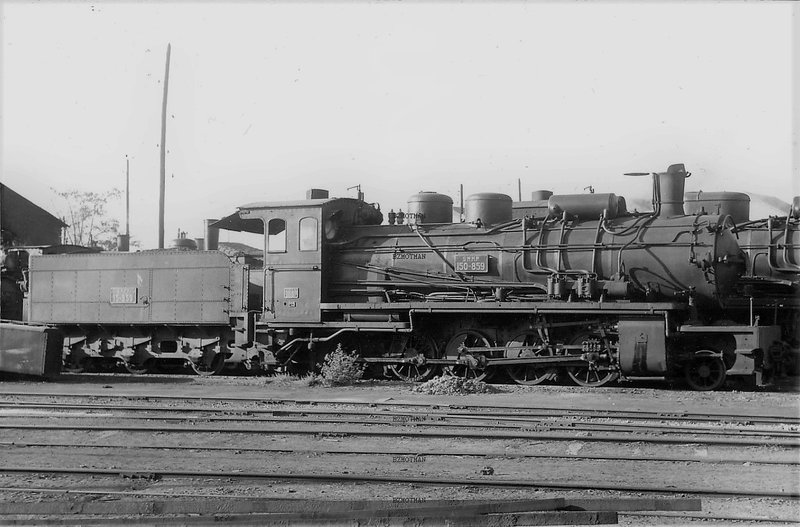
471 339
415 346
705 372
591 375
137 368
525 373
206 368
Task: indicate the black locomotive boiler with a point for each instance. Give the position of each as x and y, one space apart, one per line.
590 289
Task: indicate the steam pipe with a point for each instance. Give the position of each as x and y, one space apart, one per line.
773 258
787 243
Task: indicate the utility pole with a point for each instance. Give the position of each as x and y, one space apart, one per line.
127 197
124 240
163 154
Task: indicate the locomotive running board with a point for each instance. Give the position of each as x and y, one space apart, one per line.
355 326
653 308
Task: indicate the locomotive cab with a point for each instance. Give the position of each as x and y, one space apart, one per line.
296 235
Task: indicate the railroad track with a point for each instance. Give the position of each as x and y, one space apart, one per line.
744 437
308 443
430 418
486 454
473 433
466 409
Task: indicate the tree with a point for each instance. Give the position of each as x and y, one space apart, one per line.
87 218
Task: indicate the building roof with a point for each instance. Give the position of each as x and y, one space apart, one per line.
26 222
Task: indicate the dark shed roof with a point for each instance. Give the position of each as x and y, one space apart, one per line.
25 223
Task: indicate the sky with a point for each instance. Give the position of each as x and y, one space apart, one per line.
267 100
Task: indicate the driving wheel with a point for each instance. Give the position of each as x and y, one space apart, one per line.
455 349
529 374
593 374
416 346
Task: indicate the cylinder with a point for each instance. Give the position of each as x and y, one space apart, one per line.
123 242
429 207
671 185
734 204
211 235
488 207
539 195
584 206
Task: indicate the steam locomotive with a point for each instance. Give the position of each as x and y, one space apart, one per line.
568 285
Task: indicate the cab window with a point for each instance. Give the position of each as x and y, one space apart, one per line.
308 234
276 236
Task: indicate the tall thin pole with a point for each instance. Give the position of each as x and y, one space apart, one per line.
163 154
519 188
127 197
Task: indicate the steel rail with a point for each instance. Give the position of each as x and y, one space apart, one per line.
468 433
401 478
535 426
411 416
418 452
520 410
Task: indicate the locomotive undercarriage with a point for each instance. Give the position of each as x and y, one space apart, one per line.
532 344
142 349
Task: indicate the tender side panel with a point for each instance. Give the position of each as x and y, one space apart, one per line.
160 287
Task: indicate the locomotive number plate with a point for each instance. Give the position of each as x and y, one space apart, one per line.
472 263
124 295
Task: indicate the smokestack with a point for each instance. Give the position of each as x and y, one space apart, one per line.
211 235
671 185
